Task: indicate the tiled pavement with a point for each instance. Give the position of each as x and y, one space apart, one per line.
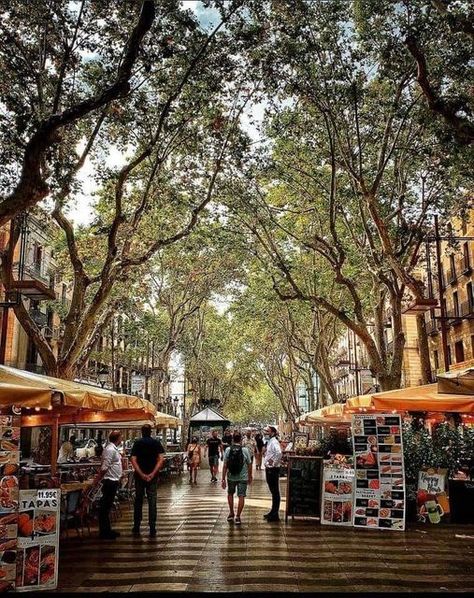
197 550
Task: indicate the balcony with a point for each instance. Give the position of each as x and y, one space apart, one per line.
35 282
466 267
454 317
35 368
432 327
451 276
467 309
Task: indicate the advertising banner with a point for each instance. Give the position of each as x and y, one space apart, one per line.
138 384
9 494
432 498
38 539
338 492
379 497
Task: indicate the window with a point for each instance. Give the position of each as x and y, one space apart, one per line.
63 293
455 304
466 258
452 274
436 359
470 297
459 351
450 359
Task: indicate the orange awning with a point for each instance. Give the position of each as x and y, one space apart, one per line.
416 398
68 401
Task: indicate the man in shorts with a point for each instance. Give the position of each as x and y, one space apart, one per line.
214 449
236 475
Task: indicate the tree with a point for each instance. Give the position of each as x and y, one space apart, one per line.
183 133
341 191
48 86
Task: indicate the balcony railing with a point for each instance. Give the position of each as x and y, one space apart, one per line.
52 332
466 267
467 308
454 316
451 276
432 327
33 280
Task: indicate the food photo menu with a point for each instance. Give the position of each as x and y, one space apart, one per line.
379 497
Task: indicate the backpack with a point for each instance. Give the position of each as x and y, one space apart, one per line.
235 462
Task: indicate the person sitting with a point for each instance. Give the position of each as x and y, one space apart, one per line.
66 452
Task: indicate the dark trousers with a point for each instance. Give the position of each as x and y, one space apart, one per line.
109 490
272 475
150 489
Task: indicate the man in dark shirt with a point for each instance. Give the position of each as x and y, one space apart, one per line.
227 438
212 449
147 460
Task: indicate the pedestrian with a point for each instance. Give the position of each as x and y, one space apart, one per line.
66 452
259 444
249 442
214 449
272 461
227 439
194 459
147 460
99 448
110 473
236 475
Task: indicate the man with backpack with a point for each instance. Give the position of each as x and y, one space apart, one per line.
236 475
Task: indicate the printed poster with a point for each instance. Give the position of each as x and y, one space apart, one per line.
432 500
38 539
9 494
379 496
338 489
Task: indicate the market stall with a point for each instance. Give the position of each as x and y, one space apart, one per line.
29 518
413 452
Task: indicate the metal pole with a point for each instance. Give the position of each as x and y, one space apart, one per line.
444 333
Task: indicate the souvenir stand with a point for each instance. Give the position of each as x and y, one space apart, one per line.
29 518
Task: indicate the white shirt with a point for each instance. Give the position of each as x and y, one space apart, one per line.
273 453
111 462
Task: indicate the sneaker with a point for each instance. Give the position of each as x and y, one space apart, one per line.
267 515
237 521
135 531
230 518
153 533
273 518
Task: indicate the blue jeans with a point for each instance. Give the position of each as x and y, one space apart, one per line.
150 488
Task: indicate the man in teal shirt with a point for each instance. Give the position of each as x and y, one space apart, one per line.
236 475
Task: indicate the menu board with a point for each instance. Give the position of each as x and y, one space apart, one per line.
38 539
432 495
338 488
303 490
379 497
9 494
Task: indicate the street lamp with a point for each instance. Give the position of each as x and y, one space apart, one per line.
103 376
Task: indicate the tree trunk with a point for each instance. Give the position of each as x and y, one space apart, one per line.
423 348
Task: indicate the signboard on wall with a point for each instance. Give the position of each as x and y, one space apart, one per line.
38 539
138 384
379 498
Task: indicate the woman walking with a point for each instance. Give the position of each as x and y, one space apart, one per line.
194 459
258 450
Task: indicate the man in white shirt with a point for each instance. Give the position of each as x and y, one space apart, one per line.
272 461
110 473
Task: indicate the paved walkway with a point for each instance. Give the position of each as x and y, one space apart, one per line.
197 550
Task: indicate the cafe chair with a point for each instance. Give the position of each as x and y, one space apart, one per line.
70 511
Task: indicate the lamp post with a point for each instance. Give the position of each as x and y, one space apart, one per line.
103 376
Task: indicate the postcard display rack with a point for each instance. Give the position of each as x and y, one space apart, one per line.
379 495
303 490
29 519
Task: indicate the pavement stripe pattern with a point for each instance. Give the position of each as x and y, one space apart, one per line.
196 549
